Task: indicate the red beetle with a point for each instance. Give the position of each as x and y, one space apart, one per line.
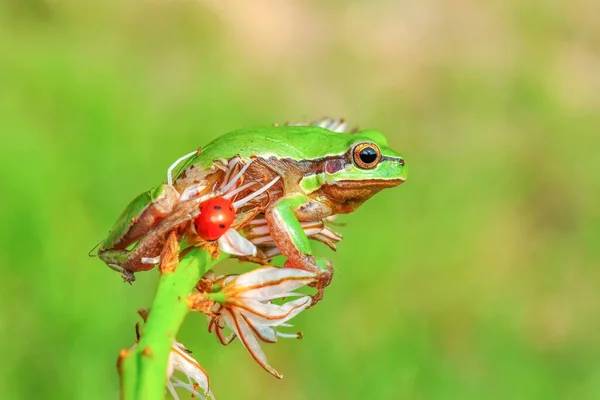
216 217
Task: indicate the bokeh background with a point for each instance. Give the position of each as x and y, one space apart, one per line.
476 279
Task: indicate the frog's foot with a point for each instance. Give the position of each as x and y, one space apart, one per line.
324 278
127 276
116 260
324 271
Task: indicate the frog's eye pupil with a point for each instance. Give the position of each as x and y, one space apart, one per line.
368 155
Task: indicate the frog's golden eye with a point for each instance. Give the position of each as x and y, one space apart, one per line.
366 155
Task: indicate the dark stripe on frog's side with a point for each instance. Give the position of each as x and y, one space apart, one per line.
294 171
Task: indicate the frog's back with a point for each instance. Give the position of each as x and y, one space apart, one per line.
296 142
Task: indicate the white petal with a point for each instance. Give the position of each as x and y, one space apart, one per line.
232 193
342 126
259 239
176 382
323 122
255 194
192 191
257 230
172 390
234 243
269 314
224 280
150 260
220 333
297 335
258 221
180 159
180 360
244 332
271 251
225 340
233 180
268 282
269 335
265 333
280 296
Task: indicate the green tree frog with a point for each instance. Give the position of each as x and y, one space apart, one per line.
314 171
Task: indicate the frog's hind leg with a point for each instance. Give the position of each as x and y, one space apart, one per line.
150 249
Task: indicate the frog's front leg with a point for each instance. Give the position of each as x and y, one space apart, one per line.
283 219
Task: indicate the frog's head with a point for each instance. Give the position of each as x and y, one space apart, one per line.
366 166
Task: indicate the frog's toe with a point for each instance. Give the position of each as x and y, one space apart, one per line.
128 276
324 278
317 297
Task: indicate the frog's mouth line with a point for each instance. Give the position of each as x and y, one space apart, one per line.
369 183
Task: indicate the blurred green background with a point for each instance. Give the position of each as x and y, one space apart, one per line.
476 279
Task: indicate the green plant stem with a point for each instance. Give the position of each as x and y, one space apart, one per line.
144 369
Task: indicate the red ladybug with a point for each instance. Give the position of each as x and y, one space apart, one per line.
216 216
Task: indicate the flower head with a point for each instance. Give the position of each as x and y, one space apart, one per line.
197 379
181 361
243 303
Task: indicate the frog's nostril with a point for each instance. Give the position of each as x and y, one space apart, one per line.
401 161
